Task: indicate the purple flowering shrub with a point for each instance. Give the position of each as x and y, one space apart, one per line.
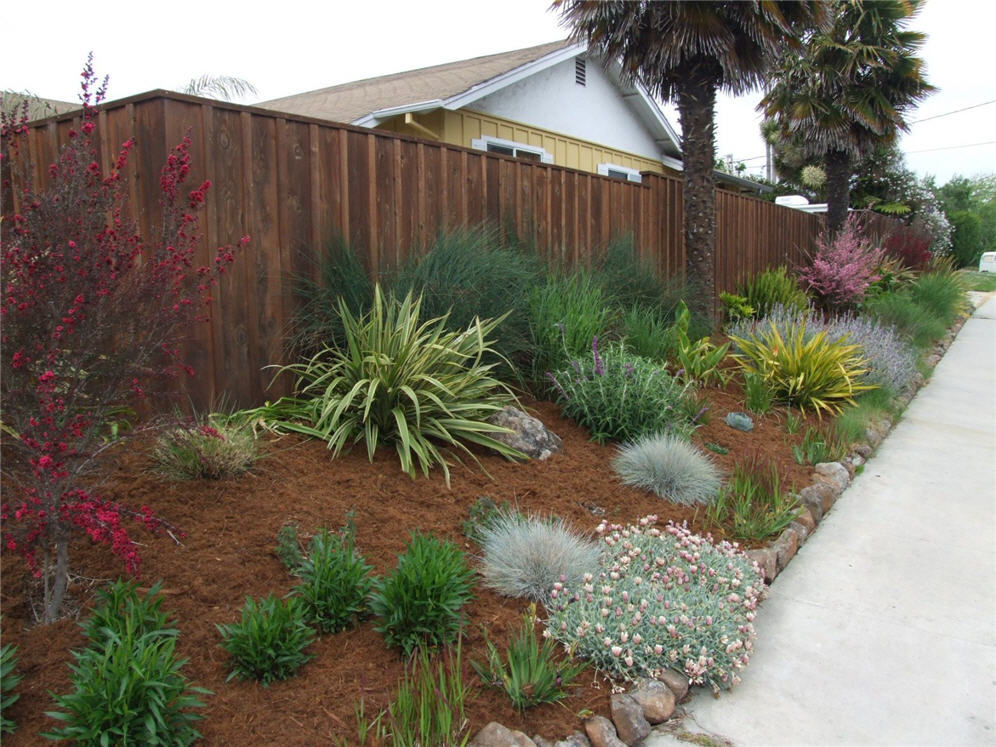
663 598
618 396
843 267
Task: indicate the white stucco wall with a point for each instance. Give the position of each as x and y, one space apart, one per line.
552 100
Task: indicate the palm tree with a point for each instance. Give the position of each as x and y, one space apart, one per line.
850 89
685 51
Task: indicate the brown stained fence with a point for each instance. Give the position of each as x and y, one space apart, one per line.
291 182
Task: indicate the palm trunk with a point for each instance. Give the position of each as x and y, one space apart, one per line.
696 102
838 166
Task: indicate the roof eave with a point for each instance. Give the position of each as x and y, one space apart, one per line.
376 117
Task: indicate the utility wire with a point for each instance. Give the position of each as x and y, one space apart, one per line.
956 111
953 147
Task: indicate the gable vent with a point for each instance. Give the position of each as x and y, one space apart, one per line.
580 71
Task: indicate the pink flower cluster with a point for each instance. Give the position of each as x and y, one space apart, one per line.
843 267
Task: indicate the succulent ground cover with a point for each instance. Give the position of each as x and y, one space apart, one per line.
229 554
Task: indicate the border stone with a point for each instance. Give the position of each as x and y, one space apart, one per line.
627 714
496 735
602 732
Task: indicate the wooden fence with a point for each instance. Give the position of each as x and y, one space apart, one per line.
290 182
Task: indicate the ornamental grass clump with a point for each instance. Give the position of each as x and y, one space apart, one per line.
752 505
214 449
529 556
773 288
662 599
415 385
621 397
670 467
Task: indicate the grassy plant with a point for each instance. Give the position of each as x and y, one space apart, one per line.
565 313
751 504
758 397
419 604
629 281
288 548
621 397
813 373
334 581
670 467
941 294
212 448
981 282
483 514
648 333
817 446
907 317
532 673
367 728
268 643
852 423
128 687
428 706
399 381
716 448
8 681
793 422
528 556
774 288
698 360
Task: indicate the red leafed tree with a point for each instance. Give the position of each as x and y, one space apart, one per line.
92 316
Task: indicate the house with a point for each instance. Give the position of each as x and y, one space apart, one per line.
554 103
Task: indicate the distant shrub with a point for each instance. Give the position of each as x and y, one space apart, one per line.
419 603
663 598
528 556
773 288
210 448
910 246
842 268
697 360
334 581
268 643
627 280
966 238
670 467
620 397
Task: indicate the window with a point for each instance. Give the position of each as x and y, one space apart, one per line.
512 148
580 71
614 171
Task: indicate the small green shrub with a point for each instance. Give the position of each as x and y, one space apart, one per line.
648 333
736 307
529 556
807 373
8 681
751 505
428 706
214 449
772 288
268 643
620 397
533 674
698 360
669 467
758 397
817 446
692 612
334 581
128 687
419 603
627 280
288 548
399 381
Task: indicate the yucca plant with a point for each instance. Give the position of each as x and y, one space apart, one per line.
400 381
811 373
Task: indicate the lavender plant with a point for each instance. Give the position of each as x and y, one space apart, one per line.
663 598
621 397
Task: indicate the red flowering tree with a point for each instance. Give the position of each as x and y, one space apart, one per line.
91 319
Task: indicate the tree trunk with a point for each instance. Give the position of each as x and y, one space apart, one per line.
57 580
838 166
696 102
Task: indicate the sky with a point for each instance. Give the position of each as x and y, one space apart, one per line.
303 45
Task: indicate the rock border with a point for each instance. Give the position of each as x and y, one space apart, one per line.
634 714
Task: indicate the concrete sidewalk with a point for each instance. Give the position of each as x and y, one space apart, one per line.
882 630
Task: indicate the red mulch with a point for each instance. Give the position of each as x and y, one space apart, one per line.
227 554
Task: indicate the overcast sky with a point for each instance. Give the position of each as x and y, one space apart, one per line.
290 47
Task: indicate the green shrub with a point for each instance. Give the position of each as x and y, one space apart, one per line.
288 548
773 288
620 397
8 681
693 613
342 279
751 505
966 238
565 313
528 556
335 581
910 320
268 643
670 467
534 674
419 603
648 333
698 360
941 294
214 449
736 307
629 281
758 397
808 373
128 687
428 706
398 381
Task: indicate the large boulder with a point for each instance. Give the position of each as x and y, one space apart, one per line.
528 435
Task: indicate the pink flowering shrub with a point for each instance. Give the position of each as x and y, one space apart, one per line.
663 598
843 267
93 317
